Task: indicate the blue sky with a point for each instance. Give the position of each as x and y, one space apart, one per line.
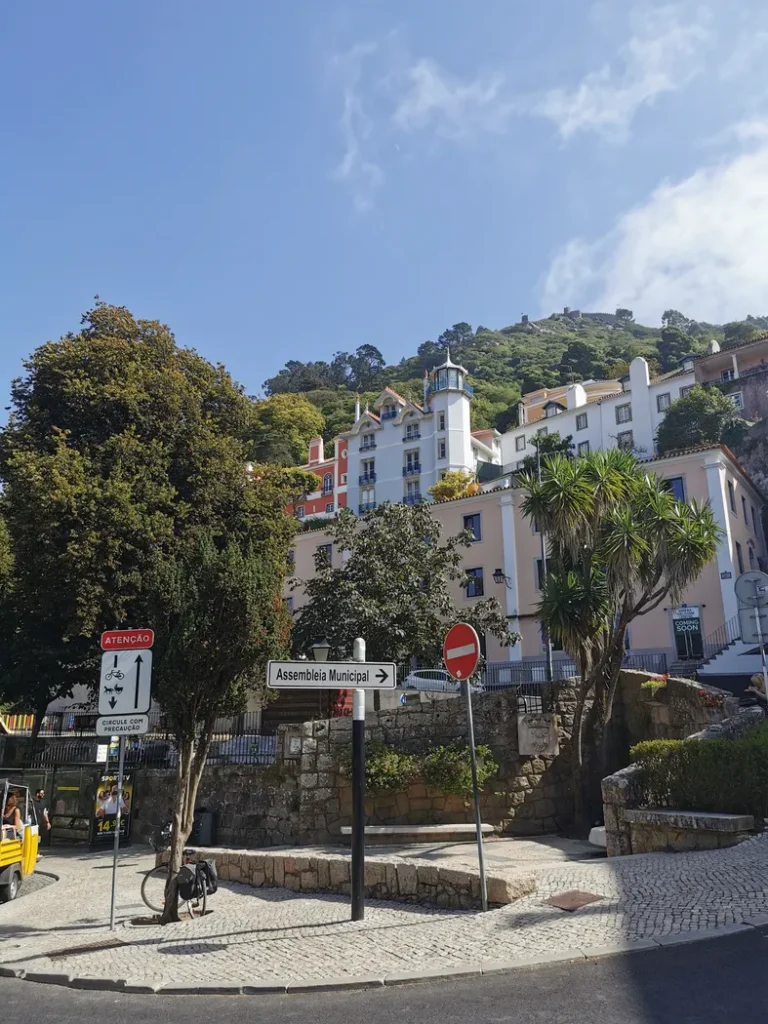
287 180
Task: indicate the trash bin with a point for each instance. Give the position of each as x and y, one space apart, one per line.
203 827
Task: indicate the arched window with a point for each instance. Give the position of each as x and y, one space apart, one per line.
327 483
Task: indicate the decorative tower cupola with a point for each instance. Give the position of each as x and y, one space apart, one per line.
449 376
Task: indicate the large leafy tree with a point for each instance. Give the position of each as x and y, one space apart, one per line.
283 426
546 444
393 589
455 484
703 416
128 501
619 546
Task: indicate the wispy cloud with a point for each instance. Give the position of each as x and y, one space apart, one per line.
662 55
434 99
695 245
356 167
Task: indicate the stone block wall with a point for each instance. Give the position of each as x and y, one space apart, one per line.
528 796
622 791
674 712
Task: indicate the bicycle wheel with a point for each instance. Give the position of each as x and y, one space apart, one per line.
153 888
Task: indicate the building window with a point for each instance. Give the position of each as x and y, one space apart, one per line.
412 432
583 448
520 443
542 431
441 421
727 375
738 399
367 441
441 449
732 497
581 421
329 507
326 551
744 509
475 583
539 574
752 562
739 557
343 478
663 402
624 413
676 486
300 511
472 523
626 440
754 522
552 410
368 474
684 392
327 483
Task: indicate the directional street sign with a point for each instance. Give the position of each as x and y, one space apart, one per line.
122 725
124 688
461 650
331 675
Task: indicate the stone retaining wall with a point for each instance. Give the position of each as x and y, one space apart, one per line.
399 880
622 791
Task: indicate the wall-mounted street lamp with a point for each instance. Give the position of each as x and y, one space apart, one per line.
499 576
321 650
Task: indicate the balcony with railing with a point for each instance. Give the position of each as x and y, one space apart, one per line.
414 435
367 478
445 385
389 412
366 506
367 446
412 469
412 499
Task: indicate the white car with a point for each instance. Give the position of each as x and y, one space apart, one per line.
430 679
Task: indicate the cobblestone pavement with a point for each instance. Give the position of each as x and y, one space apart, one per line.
266 935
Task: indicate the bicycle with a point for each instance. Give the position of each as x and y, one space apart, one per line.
155 882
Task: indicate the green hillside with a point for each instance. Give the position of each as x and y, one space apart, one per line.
504 364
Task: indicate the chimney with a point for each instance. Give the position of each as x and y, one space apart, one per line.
525 318
575 396
357 408
316 451
426 389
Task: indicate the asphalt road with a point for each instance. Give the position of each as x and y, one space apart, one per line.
715 982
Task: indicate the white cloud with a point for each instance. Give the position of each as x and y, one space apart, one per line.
433 98
696 245
662 55
356 167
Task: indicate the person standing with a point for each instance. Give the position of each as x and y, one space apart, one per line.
43 819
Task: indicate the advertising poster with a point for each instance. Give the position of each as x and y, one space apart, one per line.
105 810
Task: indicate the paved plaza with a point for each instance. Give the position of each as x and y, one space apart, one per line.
262 937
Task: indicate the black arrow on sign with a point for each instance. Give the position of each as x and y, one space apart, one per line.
382 675
139 662
112 701
115 661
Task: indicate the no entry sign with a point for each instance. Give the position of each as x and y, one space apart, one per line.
461 650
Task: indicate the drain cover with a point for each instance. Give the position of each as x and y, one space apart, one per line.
572 900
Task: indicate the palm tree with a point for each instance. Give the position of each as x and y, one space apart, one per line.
620 545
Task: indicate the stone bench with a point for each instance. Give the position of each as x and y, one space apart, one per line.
388 835
385 879
655 830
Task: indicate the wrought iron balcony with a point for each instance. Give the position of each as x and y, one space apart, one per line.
412 499
389 413
367 506
367 478
367 446
415 436
412 469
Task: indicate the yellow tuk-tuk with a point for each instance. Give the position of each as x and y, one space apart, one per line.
20 839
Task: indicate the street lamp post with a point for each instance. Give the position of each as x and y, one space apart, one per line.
550 673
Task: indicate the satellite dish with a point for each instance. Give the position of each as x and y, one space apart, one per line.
752 588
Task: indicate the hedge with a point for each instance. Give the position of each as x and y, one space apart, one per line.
730 776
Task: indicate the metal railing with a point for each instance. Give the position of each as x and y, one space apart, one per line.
414 436
368 447
367 478
412 499
367 506
70 738
412 470
389 413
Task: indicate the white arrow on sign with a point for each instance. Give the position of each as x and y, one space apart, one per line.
126 680
332 675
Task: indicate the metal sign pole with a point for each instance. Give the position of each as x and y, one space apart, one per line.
476 796
358 793
759 630
121 765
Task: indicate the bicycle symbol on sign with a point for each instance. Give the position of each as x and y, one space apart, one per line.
114 673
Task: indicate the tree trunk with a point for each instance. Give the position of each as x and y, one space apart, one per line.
577 758
37 724
189 770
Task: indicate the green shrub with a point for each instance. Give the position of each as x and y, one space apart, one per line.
387 770
449 768
710 775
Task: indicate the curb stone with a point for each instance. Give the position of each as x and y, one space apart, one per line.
281 987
